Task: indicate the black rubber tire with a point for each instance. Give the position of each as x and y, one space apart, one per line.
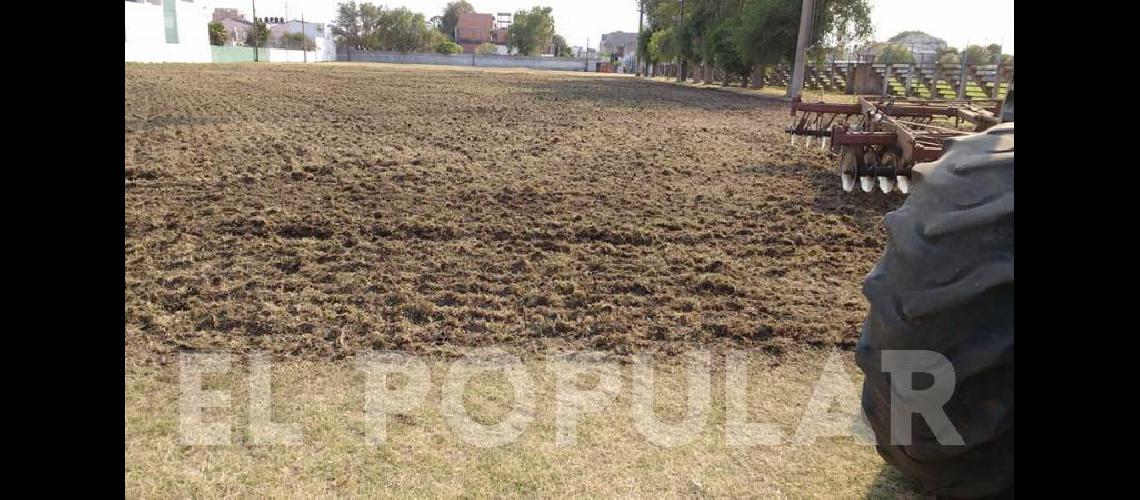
945 284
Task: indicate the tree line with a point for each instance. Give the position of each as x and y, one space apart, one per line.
894 52
742 37
366 26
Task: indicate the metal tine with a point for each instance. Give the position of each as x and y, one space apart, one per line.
810 129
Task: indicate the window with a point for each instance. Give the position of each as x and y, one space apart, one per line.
169 14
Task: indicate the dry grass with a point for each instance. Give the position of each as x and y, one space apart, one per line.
423 457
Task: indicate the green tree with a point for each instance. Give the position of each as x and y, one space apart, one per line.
367 26
643 46
433 41
948 55
895 53
262 32
770 28
399 30
347 27
976 54
725 52
297 41
995 55
661 46
218 34
451 16
561 48
448 47
531 31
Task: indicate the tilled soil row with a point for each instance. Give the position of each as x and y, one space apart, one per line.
313 211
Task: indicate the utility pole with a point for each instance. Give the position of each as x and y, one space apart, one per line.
255 30
304 38
680 31
801 48
637 54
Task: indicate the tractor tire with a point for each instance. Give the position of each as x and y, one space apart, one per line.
945 284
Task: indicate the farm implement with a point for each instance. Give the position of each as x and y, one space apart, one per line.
879 139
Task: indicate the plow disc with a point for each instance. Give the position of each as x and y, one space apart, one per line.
878 140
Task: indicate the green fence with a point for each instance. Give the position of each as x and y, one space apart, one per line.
229 54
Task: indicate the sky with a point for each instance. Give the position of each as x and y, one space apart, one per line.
980 22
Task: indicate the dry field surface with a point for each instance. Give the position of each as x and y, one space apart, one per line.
312 212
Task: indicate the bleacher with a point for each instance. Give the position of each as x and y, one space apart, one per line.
929 81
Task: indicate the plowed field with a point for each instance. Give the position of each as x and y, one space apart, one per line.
313 211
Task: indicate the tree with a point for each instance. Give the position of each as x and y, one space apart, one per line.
531 30
218 34
486 48
948 55
448 47
347 27
561 48
451 17
262 32
995 55
643 47
661 46
895 53
976 54
725 52
399 30
770 28
297 41
366 26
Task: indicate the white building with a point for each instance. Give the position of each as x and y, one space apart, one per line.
167 31
311 30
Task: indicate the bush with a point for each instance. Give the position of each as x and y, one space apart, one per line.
448 47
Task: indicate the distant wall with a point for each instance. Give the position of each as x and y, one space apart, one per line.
491 61
231 54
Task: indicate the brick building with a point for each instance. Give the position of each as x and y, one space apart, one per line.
473 29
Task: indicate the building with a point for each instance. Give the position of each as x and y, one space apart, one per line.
238 30
499 36
167 31
924 47
223 14
619 44
312 30
920 43
473 29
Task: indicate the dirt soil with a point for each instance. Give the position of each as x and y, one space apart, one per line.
317 210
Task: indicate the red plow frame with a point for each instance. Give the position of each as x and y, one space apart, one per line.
881 138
